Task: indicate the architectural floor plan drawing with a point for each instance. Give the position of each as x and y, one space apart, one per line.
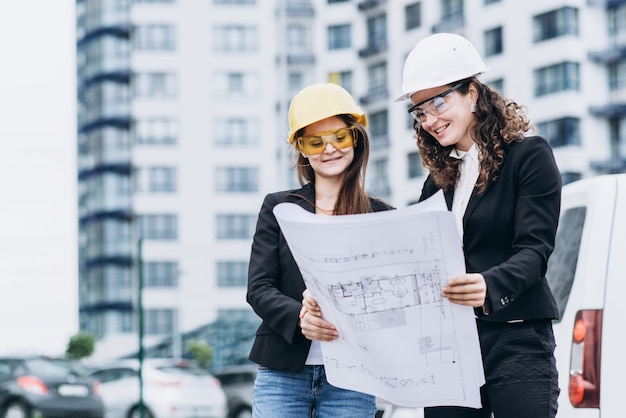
378 277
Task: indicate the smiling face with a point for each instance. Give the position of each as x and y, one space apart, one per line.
451 127
333 162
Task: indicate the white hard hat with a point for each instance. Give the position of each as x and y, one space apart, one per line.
438 60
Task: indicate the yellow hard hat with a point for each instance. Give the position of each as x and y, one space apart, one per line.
320 101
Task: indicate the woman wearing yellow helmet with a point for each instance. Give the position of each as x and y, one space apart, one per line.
327 130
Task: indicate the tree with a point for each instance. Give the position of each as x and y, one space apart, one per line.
201 352
81 345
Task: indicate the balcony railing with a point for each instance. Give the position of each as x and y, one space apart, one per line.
607 56
369 4
373 49
609 110
449 24
605 3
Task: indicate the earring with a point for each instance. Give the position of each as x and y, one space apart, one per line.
473 108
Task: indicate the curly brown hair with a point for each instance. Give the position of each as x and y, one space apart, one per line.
499 122
352 198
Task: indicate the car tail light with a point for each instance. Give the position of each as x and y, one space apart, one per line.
584 382
96 387
32 384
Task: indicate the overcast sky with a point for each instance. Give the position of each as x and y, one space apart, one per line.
38 271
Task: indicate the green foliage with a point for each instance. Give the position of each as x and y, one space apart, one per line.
81 345
201 352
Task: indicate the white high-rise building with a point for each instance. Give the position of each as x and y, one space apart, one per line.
182 123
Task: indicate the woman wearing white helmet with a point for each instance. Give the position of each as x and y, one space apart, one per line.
327 130
504 188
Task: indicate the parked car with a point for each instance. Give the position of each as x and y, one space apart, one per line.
37 386
586 274
385 409
171 389
238 384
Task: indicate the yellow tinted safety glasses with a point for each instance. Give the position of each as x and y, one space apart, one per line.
316 144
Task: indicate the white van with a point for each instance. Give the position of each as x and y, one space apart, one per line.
587 273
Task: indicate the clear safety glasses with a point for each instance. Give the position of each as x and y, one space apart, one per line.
434 106
316 144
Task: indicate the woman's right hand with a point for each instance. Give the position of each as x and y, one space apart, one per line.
310 305
317 329
313 326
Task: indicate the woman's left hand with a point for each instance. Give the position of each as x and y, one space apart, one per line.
467 289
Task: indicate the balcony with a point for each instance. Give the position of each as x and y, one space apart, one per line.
449 24
299 9
611 110
298 58
373 49
369 4
605 3
375 95
607 56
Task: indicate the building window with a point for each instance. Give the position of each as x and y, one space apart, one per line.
337 1
451 9
377 32
616 17
159 321
158 227
379 130
339 37
492 1
235 38
555 23
412 16
558 77
377 79
343 78
237 179
295 82
156 179
493 41
235 85
561 132
234 1
154 38
236 131
155 84
298 40
232 273
415 165
617 74
239 226
160 274
380 178
156 131
497 84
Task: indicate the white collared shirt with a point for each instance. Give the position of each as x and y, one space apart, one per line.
463 189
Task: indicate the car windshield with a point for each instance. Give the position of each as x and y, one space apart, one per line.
43 367
180 369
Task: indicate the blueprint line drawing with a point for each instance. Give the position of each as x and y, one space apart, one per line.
378 278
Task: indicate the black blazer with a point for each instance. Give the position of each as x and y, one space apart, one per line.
509 232
275 286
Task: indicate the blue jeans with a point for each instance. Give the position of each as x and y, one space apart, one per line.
306 394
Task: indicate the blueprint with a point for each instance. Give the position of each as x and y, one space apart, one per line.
378 277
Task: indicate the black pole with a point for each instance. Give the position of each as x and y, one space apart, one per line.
140 331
